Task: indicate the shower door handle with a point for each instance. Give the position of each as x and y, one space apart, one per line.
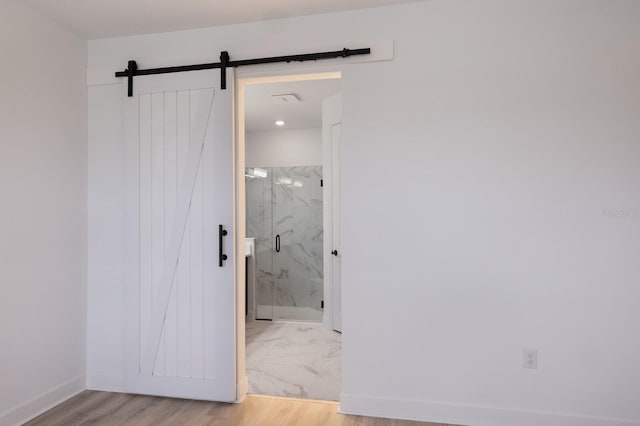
278 243
221 234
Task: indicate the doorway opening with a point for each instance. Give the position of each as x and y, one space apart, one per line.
289 129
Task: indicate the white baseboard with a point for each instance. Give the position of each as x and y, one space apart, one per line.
242 389
32 408
99 382
468 415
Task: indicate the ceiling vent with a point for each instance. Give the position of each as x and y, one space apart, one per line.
285 99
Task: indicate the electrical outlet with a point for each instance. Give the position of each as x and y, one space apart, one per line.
530 359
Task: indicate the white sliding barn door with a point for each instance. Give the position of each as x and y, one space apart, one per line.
179 173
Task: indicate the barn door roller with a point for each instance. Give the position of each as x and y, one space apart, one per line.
225 62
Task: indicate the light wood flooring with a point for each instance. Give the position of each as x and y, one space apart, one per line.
106 408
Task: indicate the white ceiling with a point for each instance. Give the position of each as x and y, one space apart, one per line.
107 18
261 112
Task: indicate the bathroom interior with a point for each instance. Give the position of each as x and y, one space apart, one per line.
291 348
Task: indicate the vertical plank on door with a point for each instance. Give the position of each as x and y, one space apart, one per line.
157 208
197 278
170 332
146 266
184 277
210 251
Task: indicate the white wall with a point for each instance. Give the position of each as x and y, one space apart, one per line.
43 167
284 148
476 167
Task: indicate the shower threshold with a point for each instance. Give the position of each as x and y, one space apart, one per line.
288 313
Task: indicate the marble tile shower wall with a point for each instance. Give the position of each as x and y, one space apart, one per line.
259 215
287 203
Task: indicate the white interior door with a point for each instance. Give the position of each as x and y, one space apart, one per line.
332 124
179 173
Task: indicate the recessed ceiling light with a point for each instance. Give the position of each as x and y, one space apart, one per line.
280 123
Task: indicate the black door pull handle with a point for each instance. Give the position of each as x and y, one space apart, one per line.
335 252
278 243
221 234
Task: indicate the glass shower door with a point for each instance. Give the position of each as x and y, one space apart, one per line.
284 215
297 261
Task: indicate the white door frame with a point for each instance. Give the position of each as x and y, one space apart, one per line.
331 123
242 80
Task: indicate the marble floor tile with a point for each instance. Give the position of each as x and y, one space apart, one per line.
293 359
281 380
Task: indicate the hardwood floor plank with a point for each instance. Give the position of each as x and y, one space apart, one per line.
74 409
119 409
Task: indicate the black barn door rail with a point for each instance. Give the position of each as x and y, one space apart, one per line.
133 71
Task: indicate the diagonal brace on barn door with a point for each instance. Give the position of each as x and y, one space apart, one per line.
180 219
